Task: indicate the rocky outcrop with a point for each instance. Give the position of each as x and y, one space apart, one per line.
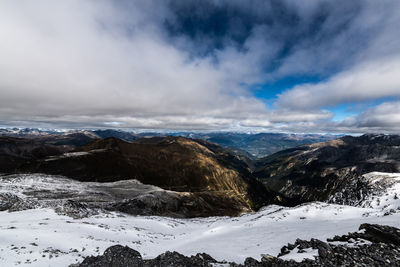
374 233
373 245
118 256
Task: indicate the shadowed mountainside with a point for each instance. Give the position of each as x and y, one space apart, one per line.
317 171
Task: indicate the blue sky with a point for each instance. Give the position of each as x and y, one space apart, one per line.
269 91
273 66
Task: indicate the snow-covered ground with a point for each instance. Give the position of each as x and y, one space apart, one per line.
41 237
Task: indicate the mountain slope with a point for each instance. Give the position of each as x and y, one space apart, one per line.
317 171
15 152
172 163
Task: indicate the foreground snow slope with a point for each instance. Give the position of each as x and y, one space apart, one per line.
41 237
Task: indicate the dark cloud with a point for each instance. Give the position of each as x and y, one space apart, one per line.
212 26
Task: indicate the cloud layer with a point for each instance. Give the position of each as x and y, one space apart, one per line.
185 65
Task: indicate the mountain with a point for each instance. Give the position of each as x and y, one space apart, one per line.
16 150
127 136
246 144
205 170
209 174
259 144
318 171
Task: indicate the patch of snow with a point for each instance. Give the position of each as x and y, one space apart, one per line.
309 253
74 154
386 196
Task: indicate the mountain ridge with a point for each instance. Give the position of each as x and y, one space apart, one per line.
316 171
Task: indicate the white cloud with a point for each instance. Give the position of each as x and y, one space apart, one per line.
58 61
368 81
372 72
385 115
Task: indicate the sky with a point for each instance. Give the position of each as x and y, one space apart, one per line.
261 65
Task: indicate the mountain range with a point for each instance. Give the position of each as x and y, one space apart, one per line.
202 178
252 145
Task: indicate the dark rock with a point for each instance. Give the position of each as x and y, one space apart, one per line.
380 233
119 256
175 259
115 256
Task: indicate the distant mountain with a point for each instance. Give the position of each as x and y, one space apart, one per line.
246 144
321 170
261 144
127 136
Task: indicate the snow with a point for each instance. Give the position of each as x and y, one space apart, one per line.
387 195
308 253
74 154
42 187
46 238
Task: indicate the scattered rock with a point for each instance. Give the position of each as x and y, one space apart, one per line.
381 250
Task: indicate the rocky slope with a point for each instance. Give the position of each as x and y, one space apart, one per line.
373 245
318 171
84 199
